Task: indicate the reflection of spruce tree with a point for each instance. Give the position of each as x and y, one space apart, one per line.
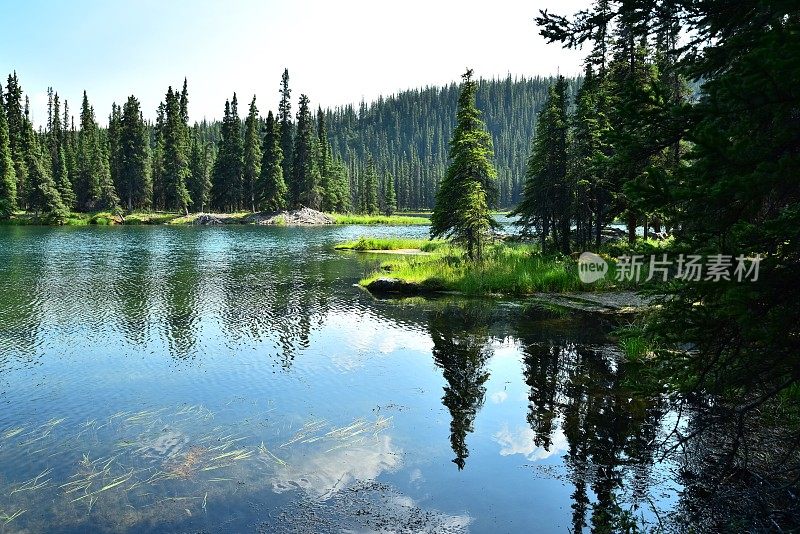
460 339
133 293
610 432
181 304
541 375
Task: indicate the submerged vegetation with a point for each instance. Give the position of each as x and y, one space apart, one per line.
157 465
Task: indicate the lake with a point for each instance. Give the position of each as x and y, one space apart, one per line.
234 379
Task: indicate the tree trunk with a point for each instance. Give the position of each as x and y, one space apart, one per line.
631 223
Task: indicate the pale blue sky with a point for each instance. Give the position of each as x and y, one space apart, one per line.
337 51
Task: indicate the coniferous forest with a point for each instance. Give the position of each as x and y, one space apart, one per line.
347 159
667 391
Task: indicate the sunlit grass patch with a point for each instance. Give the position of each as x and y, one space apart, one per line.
393 243
509 269
397 220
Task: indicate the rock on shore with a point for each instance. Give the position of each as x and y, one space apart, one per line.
299 217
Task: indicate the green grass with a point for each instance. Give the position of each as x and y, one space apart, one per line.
398 220
508 269
392 243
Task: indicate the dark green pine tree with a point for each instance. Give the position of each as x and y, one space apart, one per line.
284 118
325 164
16 137
369 188
56 139
226 191
339 182
8 177
157 161
252 155
547 197
87 186
389 195
114 144
69 141
176 161
585 160
108 198
461 211
201 164
135 182
271 188
306 179
43 195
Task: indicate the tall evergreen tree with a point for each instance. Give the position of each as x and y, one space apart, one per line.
369 188
461 211
8 177
56 140
157 161
284 118
547 198
135 183
201 164
271 188
227 189
87 186
389 195
16 137
306 180
115 145
252 155
176 161
107 194
43 196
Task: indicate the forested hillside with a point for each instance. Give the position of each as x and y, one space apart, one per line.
382 156
408 134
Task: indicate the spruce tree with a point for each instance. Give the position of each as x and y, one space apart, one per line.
252 155
328 189
284 118
16 136
369 191
8 177
389 196
44 198
271 190
176 161
201 163
461 211
227 184
306 180
87 188
56 139
547 198
135 183
157 162
107 194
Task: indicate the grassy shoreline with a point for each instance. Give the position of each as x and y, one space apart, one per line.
513 269
106 218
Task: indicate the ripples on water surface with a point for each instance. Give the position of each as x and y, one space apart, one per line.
234 379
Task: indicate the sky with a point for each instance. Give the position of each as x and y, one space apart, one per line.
337 51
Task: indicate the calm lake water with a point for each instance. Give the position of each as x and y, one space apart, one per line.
233 379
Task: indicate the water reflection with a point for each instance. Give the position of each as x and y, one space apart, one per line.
460 347
241 365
